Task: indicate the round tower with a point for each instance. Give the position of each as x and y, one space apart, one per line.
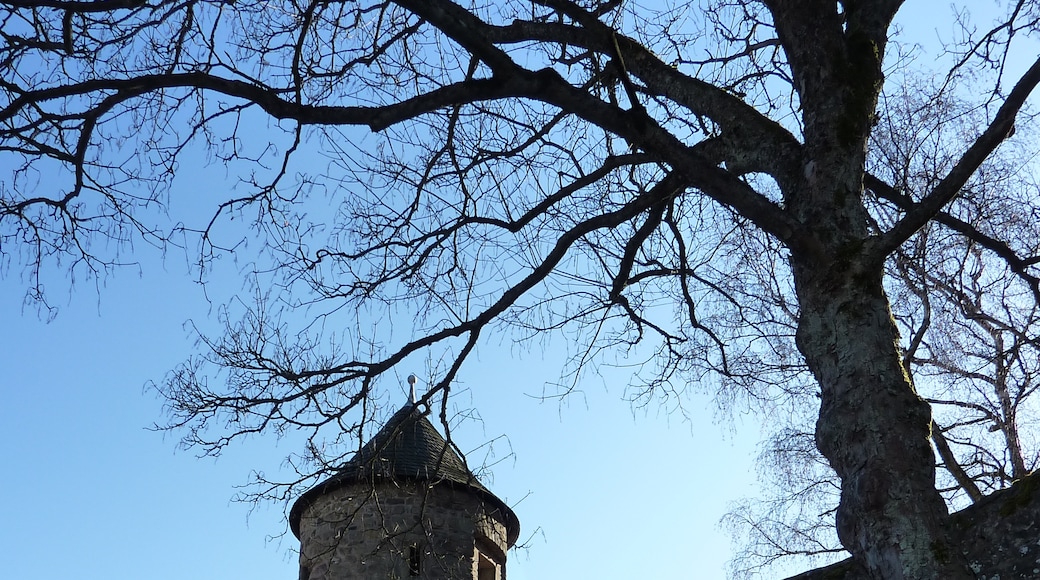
405 506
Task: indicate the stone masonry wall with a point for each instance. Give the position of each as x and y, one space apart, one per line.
377 531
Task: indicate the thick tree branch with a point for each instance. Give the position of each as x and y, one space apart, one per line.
1017 264
950 185
270 99
747 138
509 80
73 6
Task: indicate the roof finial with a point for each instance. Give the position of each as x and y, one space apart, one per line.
411 383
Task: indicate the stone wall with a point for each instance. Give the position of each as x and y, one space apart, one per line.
397 531
999 536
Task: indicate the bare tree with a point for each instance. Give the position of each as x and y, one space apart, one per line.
635 176
966 317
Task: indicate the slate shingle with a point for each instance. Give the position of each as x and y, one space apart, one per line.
407 448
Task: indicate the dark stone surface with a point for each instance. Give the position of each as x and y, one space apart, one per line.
407 448
1000 536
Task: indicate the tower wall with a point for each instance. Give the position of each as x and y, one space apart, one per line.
401 530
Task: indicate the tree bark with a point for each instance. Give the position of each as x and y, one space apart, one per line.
873 428
997 537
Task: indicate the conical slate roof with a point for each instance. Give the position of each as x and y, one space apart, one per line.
407 448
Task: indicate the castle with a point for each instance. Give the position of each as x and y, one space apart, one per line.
405 506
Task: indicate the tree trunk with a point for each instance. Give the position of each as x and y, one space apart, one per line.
997 537
873 428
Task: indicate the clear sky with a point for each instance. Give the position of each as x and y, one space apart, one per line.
89 492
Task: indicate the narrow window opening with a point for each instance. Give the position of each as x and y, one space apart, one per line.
486 569
414 560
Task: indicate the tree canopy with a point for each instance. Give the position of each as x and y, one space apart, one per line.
772 197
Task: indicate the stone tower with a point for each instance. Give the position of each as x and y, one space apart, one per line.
403 507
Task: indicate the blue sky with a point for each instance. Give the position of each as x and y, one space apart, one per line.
601 490
93 493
